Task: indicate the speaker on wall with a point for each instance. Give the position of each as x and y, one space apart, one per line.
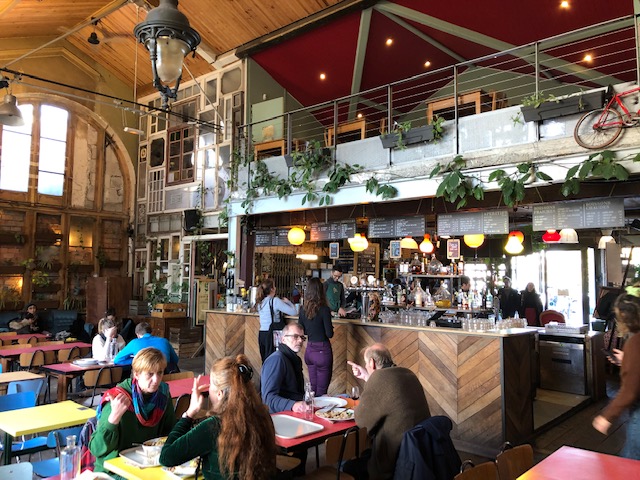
191 219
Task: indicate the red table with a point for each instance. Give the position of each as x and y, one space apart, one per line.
64 372
569 462
8 354
330 429
184 385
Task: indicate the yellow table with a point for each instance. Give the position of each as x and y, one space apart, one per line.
119 466
41 419
9 377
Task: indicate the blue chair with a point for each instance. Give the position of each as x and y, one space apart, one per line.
15 401
28 386
16 471
56 439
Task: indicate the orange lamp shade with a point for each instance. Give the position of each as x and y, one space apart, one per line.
358 243
474 240
427 246
518 234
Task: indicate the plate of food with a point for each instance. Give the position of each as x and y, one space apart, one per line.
323 402
337 414
186 470
85 362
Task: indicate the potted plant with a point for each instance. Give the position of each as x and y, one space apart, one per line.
403 135
538 107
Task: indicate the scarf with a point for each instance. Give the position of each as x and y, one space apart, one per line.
148 413
297 365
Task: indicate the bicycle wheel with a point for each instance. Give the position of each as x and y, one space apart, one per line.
598 128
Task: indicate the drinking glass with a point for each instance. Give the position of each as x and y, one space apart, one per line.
355 392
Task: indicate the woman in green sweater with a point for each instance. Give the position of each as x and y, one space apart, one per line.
237 440
138 409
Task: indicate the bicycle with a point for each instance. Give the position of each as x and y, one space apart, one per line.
600 128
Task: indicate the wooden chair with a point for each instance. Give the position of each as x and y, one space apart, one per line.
177 376
285 466
32 361
29 340
484 471
550 316
182 404
69 354
338 449
98 380
514 461
18 345
51 342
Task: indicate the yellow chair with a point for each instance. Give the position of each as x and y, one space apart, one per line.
484 471
514 461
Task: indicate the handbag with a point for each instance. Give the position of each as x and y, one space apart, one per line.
276 327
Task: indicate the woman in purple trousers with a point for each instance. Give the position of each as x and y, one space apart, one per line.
315 317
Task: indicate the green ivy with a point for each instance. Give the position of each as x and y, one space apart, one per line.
600 164
385 191
512 186
455 185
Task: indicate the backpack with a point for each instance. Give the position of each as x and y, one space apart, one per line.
87 459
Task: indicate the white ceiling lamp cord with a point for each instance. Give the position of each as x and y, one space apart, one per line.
135 130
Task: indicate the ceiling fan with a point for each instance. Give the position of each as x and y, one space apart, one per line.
101 35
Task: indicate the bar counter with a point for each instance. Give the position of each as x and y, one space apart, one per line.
484 382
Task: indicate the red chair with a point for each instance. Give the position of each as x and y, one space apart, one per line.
550 316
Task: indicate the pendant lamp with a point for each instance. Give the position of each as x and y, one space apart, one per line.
296 236
604 239
10 114
474 240
408 243
568 235
358 243
427 246
513 246
551 236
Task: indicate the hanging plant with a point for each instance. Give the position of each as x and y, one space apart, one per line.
456 186
512 186
600 164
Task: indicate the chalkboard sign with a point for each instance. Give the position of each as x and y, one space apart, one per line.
367 260
492 222
604 213
396 227
346 260
281 237
264 238
332 231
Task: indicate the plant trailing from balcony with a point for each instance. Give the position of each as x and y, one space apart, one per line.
512 186
456 186
385 191
403 134
540 107
600 164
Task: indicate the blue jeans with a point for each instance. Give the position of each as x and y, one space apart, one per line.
319 360
632 444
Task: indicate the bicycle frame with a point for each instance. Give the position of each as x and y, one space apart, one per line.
616 99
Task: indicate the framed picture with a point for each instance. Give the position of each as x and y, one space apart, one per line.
394 249
334 250
453 249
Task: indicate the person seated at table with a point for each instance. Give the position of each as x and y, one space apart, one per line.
237 439
28 322
108 342
144 340
282 380
136 410
392 402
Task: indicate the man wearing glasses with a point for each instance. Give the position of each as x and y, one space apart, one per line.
334 290
282 383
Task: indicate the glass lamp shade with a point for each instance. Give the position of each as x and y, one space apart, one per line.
296 236
171 53
10 114
474 240
427 246
358 243
551 236
513 246
408 243
568 235
604 239
518 234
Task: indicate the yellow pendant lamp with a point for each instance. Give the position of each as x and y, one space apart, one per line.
427 246
358 243
296 236
408 243
513 246
474 240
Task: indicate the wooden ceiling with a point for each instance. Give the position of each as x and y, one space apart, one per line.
222 24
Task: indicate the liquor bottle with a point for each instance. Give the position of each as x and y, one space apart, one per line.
461 265
489 299
70 460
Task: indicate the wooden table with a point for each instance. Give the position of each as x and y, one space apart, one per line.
42 418
9 354
264 149
346 127
67 371
570 462
184 385
495 99
9 377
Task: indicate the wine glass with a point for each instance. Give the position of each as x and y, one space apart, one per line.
355 392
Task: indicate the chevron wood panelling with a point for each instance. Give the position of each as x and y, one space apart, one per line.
482 382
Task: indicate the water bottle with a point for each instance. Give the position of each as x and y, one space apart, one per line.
308 401
70 460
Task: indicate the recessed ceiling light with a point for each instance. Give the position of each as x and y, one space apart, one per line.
564 4
389 42
322 76
427 64
359 115
588 58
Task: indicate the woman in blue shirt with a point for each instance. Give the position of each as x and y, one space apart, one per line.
269 308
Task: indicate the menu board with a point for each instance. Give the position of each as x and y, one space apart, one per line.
367 260
491 222
272 238
604 213
332 231
396 227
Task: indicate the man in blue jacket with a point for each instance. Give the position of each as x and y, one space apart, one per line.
144 340
282 380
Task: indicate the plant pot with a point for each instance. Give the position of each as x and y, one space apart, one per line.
47 238
55 267
563 107
11 269
11 238
411 137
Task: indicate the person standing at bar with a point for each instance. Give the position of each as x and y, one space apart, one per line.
627 308
531 305
269 308
315 318
509 299
334 290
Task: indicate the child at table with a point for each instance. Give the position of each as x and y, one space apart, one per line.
136 410
238 439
